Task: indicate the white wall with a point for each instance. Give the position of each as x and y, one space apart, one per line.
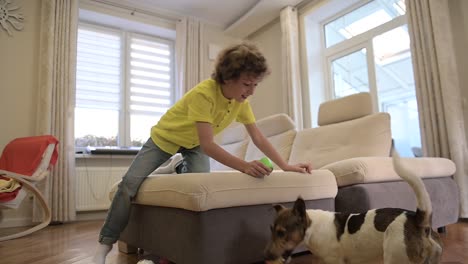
19 75
215 36
19 66
270 96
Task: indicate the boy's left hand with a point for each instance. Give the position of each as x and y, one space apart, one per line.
300 167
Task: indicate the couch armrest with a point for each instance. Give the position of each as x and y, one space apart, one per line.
380 169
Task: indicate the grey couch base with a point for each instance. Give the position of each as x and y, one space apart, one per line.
219 236
398 194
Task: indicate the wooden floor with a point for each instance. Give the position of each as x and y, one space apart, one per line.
75 243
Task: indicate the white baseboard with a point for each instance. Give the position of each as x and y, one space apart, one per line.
92 215
16 222
27 221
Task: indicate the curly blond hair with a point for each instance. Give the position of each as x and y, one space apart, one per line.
237 59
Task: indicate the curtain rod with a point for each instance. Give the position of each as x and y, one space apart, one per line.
137 10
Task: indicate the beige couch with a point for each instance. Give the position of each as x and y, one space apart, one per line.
224 216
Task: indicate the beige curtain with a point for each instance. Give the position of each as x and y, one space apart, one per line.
188 54
438 88
56 93
291 62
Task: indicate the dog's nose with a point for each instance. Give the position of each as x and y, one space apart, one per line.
287 254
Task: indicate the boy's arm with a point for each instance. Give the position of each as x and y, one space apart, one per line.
210 148
265 146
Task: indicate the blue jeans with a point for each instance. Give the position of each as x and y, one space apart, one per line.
149 158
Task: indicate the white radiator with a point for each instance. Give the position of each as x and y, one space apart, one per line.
93 186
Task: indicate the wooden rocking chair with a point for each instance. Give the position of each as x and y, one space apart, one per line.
26 161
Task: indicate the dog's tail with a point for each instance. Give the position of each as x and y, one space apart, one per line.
424 212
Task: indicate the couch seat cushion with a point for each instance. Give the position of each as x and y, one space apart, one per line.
205 191
380 169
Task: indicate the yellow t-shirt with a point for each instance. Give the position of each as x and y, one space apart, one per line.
204 103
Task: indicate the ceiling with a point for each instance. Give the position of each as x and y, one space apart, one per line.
216 12
238 18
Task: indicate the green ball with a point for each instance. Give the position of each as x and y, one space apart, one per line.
267 162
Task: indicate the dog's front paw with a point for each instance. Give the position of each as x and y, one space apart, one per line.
145 261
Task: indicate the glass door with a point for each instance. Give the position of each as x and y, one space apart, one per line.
396 88
349 73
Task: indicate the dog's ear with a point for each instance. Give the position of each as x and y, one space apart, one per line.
299 208
278 208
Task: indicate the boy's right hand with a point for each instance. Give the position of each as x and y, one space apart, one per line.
257 169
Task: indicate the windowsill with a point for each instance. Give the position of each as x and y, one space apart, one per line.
106 152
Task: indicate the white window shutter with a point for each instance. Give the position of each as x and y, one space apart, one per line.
151 82
98 77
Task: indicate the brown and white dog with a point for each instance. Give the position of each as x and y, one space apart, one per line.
389 234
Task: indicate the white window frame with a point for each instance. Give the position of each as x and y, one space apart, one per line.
124 139
371 75
358 42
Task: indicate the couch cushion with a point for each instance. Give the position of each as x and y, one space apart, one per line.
282 143
280 131
275 124
237 149
345 109
233 139
205 191
369 136
380 169
232 134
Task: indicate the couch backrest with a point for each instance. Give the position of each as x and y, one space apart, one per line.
348 129
279 129
344 109
233 139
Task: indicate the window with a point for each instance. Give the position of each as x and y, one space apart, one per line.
362 19
367 49
124 84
